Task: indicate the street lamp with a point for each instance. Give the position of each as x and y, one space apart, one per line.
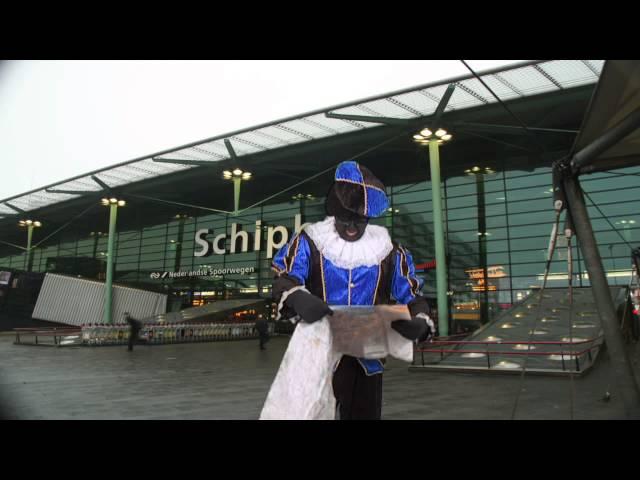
30 225
302 199
433 138
97 236
113 204
626 225
237 176
426 135
479 173
389 217
176 245
302 196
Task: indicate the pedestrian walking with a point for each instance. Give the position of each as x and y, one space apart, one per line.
263 331
136 326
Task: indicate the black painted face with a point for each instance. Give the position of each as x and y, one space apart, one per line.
351 227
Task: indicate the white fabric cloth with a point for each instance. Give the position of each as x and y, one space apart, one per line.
400 347
369 250
430 324
302 389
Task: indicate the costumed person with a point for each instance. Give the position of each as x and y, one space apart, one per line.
343 260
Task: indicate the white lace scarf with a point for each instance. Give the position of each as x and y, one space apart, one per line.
369 250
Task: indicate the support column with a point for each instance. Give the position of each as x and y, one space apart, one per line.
438 230
620 362
95 245
236 194
177 261
302 209
29 237
482 248
108 290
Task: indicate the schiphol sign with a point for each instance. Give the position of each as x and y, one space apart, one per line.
219 243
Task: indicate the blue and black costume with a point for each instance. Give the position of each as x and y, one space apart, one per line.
372 270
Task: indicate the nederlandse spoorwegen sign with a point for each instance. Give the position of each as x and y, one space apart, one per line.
204 272
219 243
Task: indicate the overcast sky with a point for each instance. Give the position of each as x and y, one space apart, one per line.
59 119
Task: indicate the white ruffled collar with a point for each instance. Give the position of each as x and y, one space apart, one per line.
369 250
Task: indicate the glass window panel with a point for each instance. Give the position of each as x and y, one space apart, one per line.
516 179
495 246
468 203
531 205
569 73
495 221
462 225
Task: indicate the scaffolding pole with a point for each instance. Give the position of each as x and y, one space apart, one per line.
621 364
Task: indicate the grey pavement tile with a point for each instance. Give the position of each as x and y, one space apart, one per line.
222 381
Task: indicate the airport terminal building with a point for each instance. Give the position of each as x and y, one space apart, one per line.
202 222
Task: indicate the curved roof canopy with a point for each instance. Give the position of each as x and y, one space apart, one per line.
615 101
413 104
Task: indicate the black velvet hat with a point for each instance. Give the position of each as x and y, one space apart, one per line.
356 190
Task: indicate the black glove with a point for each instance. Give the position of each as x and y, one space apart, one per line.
308 306
414 329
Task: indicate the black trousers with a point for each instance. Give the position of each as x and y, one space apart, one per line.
358 395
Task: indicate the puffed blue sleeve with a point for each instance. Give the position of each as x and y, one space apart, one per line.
293 260
405 286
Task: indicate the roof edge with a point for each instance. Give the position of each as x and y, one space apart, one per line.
286 119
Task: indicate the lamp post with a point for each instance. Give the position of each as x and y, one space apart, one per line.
479 174
30 224
302 198
97 236
182 218
433 141
237 176
113 204
626 225
389 218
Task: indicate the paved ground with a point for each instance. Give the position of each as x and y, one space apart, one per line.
230 380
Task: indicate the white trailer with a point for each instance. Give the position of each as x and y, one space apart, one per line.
77 301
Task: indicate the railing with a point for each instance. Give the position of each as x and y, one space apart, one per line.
161 334
56 332
150 334
432 347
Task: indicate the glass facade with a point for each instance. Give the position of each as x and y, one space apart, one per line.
498 224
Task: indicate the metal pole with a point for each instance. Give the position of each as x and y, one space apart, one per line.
29 236
95 245
236 195
108 290
568 233
178 258
589 154
611 164
482 248
621 365
303 212
438 231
